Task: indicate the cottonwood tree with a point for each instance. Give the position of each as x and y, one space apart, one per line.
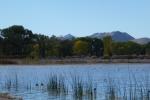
107 46
80 48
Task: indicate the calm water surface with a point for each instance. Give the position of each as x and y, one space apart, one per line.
29 76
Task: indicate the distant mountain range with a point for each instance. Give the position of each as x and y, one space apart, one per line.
66 37
69 37
116 36
142 40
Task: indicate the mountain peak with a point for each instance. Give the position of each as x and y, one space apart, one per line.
116 36
142 41
68 37
121 36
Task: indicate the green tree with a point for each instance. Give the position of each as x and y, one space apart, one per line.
119 48
107 46
17 40
54 47
147 50
43 44
66 48
127 48
133 48
80 48
97 47
1 46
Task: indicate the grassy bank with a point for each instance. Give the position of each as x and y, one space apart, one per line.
72 61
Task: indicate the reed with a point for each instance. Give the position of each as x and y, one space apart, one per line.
8 84
12 82
77 87
134 91
90 89
56 85
83 89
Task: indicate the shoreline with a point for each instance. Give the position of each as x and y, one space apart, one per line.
69 61
7 96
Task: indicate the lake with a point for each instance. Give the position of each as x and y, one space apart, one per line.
31 81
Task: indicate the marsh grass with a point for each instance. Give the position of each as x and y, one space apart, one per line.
77 87
111 90
29 86
83 89
12 82
16 82
134 90
56 85
91 89
8 83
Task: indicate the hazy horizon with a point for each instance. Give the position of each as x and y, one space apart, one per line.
79 18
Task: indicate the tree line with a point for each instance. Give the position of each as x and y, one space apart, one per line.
16 41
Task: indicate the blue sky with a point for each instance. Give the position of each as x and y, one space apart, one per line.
78 17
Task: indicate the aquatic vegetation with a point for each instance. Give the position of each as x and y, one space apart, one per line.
12 82
132 91
8 84
80 88
91 89
83 89
56 84
77 87
111 90
86 89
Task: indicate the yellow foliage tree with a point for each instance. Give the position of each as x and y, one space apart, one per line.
35 52
80 48
107 46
